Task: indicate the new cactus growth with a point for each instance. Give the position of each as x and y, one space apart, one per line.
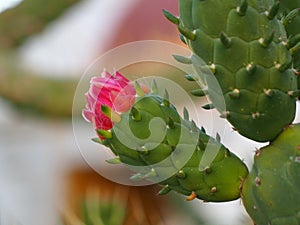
244 44
161 146
271 192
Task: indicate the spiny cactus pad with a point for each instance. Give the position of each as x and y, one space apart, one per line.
245 45
271 192
160 146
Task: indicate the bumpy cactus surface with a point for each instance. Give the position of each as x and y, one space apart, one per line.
271 192
244 44
161 146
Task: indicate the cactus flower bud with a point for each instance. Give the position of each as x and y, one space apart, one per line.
108 91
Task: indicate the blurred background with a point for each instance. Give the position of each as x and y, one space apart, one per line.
45 48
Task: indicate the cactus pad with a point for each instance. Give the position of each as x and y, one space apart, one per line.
244 44
271 193
162 147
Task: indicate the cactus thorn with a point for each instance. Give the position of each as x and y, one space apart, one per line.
180 174
273 11
213 190
182 38
235 94
266 41
242 8
225 40
186 113
166 100
182 59
191 197
203 130
269 92
218 137
165 190
199 92
171 124
104 133
171 17
251 68
139 89
257 181
136 115
208 106
114 160
207 170
255 115
154 87
189 34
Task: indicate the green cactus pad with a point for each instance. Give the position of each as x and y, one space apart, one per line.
160 146
244 43
271 192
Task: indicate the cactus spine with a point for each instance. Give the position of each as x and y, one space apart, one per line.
244 43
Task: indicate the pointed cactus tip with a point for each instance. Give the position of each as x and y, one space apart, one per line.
290 16
225 40
208 106
242 8
114 160
171 17
165 190
199 92
266 41
97 140
139 89
186 113
273 11
136 115
166 100
104 133
154 87
182 59
191 77
182 38
189 34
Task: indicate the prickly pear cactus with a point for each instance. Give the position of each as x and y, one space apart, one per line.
245 46
271 192
160 146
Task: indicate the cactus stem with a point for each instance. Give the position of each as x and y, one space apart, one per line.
208 106
186 115
136 115
225 40
199 92
265 42
171 124
257 181
242 8
213 190
182 59
255 115
138 89
154 87
104 133
273 11
166 100
171 17
251 68
114 160
165 190
269 92
191 197
189 34
235 94
180 174
225 115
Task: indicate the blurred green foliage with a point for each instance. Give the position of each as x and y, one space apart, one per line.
30 17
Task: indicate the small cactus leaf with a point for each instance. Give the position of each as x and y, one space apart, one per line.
271 193
171 17
182 59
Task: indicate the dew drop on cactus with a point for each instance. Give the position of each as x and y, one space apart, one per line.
160 146
244 45
271 192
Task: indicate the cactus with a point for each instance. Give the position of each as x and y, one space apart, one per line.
245 46
160 146
271 193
